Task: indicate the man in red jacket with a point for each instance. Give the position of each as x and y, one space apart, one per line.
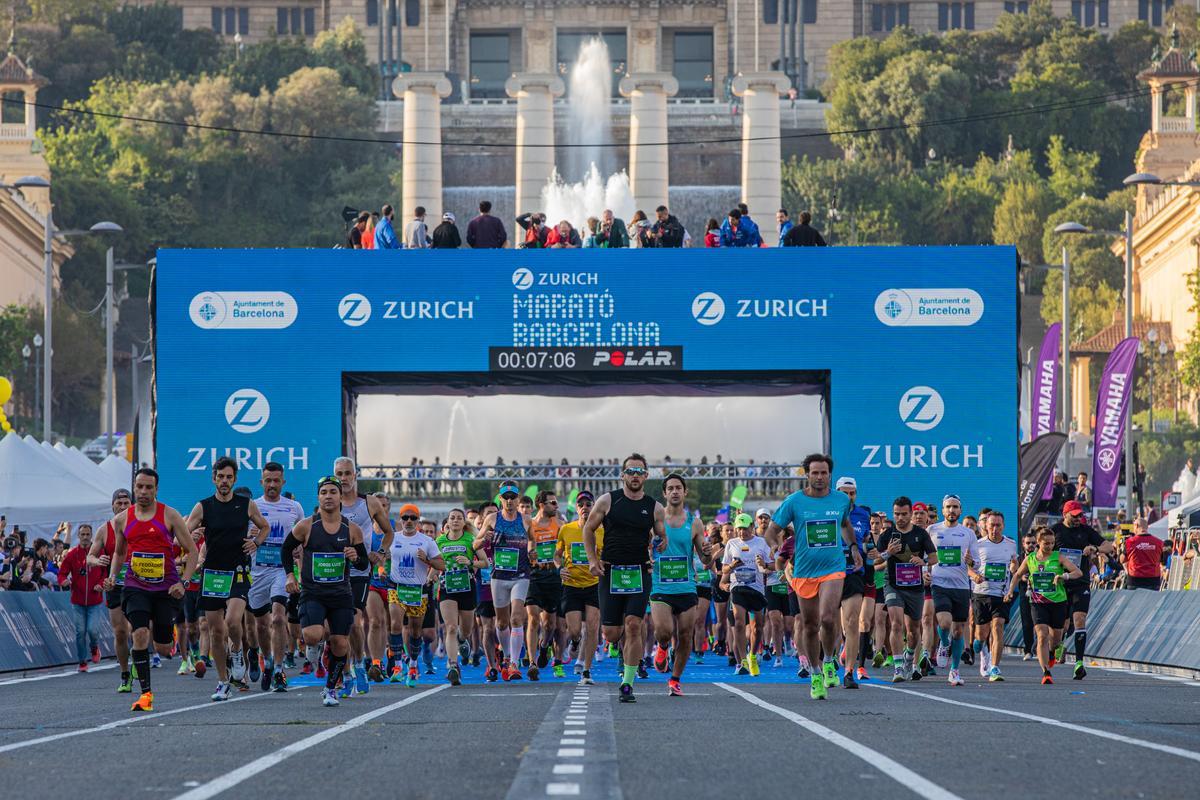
87 596
1142 558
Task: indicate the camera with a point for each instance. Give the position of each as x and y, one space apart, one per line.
10 542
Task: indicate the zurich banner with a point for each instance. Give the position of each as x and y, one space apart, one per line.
916 347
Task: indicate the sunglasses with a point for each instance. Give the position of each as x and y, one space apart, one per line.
328 480
409 517
634 471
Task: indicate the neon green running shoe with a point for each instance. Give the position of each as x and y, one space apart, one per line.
613 652
877 659
818 690
829 669
559 672
889 662
126 686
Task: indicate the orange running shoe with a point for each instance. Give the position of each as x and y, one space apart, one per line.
144 703
660 658
1046 679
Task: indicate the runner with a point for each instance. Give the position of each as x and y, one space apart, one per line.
485 609
509 531
545 586
1079 542
995 559
146 532
820 518
101 555
673 585
329 542
956 552
858 579
745 560
1046 568
378 621
414 554
777 597
703 573
905 550
873 621
429 623
367 513
456 592
268 583
623 563
923 517
581 598
225 578
397 666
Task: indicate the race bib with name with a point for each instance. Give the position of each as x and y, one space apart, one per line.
994 573
673 569
458 580
506 559
216 583
579 554
149 567
1042 582
409 594
328 567
545 551
1074 556
949 556
268 555
625 580
821 533
908 575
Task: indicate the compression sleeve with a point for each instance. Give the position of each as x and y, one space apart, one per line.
288 554
360 550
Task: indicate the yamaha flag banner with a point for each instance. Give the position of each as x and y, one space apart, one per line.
1044 393
1112 403
1036 459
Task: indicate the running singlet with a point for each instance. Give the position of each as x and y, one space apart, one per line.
574 555
510 548
226 527
407 569
860 520
743 554
993 562
323 566
457 577
110 549
545 542
1070 541
360 514
953 546
1041 579
283 514
149 544
628 526
673 569
818 524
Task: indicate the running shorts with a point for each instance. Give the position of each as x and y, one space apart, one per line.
113 599
1052 614
337 610
616 606
504 592
793 609
485 609
429 619
380 591
869 592
577 599
679 603
266 589
545 594
151 609
989 607
807 588
239 589
464 600
854 586
777 600
750 599
911 600
1079 598
191 606
955 602
358 588
704 591
293 609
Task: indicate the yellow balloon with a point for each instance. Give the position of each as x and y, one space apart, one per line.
5 390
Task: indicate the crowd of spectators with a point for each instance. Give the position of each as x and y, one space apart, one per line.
32 564
376 231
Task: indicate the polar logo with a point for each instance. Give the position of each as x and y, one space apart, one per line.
708 308
1106 458
354 310
522 279
247 410
921 408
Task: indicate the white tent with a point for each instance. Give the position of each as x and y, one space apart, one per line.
88 473
37 491
117 469
1172 518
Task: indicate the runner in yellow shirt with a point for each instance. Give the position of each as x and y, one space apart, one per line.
581 602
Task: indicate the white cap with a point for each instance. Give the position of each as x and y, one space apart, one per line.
846 483
448 217
761 512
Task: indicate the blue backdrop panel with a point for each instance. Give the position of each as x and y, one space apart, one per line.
919 344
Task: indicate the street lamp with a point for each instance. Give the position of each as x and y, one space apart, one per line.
1150 179
110 388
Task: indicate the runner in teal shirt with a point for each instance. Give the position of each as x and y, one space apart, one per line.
673 597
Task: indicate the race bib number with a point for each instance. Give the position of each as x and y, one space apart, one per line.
485 575
121 575
908 575
950 556
673 569
1042 582
994 573
216 583
745 575
269 555
625 580
458 580
1074 556
328 567
579 554
150 567
409 594
821 533
704 576
545 551
779 588
506 559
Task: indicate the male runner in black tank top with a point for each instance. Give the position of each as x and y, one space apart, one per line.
331 545
629 518
225 578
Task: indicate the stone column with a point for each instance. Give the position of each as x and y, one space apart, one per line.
761 184
648 171
535 93
422 93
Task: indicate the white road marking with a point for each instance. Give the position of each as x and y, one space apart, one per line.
893 769
562 788
108 726
568 769
571 740
1116 737
258 765
67 674
570 752
575 732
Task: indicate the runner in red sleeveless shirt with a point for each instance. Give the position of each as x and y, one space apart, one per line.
101 555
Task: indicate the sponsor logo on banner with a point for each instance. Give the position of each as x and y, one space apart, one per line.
524 278
234 310
635 357
200 459
354 310
922 408
708 308
247 411
928 307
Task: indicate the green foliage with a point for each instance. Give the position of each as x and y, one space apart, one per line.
1020 216
1092 263
1092 307
15 332
1164 454
1189 359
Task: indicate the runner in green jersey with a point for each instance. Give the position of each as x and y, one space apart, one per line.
1046 568
456 587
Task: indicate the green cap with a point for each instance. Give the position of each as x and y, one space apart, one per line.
743 521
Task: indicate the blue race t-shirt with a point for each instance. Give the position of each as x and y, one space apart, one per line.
818 525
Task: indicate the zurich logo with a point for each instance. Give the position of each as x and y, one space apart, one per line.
922 408
354 310
247 410
522 279
708 308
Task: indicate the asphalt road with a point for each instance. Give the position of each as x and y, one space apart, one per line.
1114 735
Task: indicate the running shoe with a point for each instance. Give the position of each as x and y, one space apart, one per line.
289 661
279 682
543 657
626 695
586 678
144 703
877 659
898 674
200 667
82 666
954 679
1080 671
533 672
994 675
660 658
454 675
732 660
577 669
222 692
476 658
185 666
889 662
699 657
265 679
942 656
985 663
818 690
1058 653
848 681
829 668
344 691
492 675
255 670
360 682
375 672
613 652
803 673
126 686
320 671
510 673
752 663
741 670
968 657
642 672
673 688
411 680
1046 679
559 672
1028 657
863 675
464 652
155 661
397 675
95 654
778 662
329 698
429 670
307 669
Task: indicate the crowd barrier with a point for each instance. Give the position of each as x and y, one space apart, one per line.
1159 629
37 629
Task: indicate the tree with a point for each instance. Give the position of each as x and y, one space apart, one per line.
1071 173
1092 262
1092 307
1019 218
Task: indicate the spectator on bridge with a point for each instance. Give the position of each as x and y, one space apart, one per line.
638 230
666 231
736 232
534 225
751 225
804 234
1143 558
354 239
368 234
445 235
564 235
613 232
712 233
385 234
87 595
416 232
785 224
486 232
